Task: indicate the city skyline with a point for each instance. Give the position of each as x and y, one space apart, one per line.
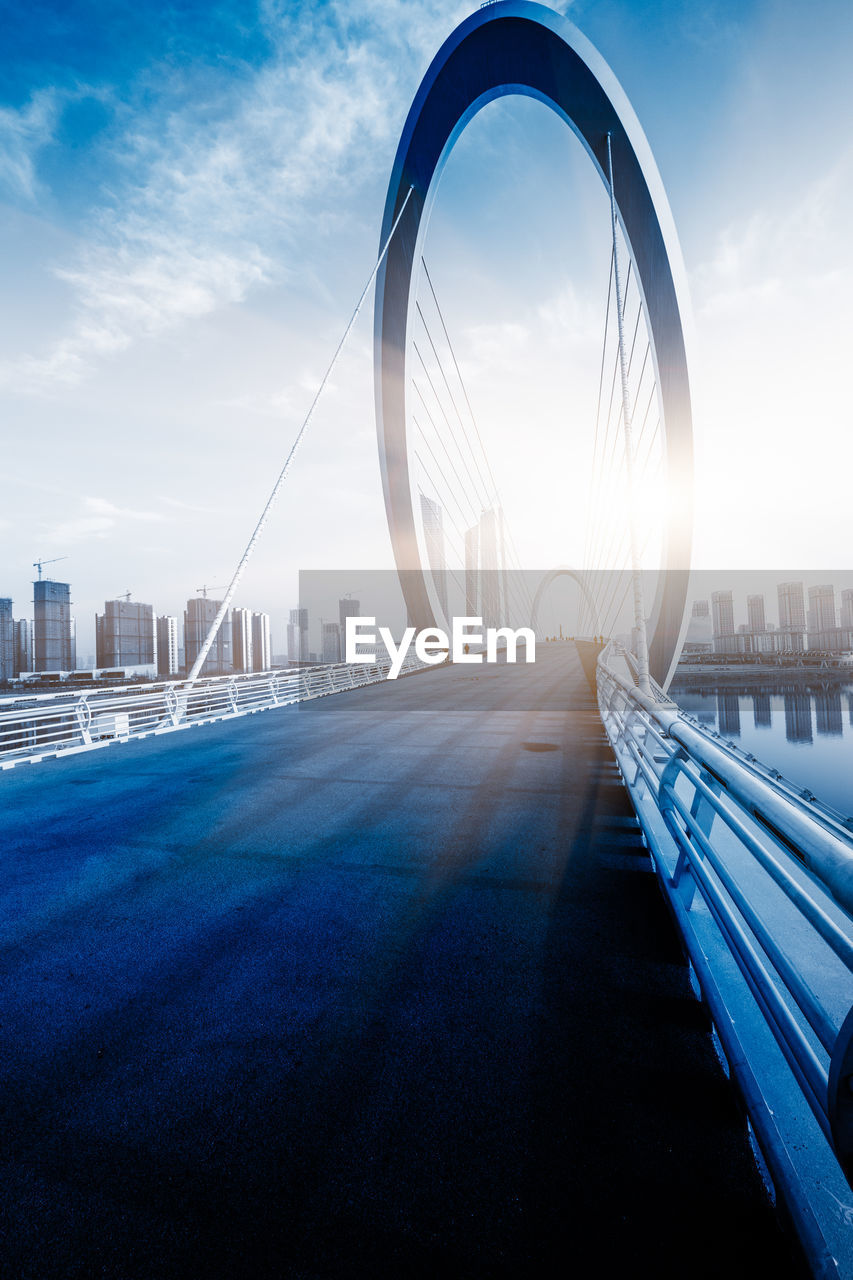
184 323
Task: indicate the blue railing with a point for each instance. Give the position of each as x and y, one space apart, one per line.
760 882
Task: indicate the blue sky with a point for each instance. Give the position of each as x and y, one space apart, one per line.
190 198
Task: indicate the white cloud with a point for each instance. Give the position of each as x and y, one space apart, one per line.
99 518
22 135
213 193
769 390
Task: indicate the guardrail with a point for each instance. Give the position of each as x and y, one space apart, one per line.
33 726
760 882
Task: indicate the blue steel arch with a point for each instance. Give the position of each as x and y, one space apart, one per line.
517 47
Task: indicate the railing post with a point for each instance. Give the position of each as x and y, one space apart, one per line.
83 713
704 812
840 1096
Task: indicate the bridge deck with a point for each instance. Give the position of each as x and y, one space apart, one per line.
363 988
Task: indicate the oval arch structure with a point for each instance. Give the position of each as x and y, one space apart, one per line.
562 571
517 47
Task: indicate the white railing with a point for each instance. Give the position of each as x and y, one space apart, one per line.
33 726
760 882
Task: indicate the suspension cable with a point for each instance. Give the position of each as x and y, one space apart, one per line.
300 435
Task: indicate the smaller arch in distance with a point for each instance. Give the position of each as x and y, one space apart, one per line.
551 576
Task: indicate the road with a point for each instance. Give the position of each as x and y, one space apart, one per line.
382 985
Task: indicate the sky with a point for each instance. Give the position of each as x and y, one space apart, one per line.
191 195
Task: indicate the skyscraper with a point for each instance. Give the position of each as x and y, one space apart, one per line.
433 518
241 639
347 608
51 626
23 635
723 614
330 642
261 643
167 645
126 635
490 598
755 613
472 571
7 639
198 617
822 608
847 607
792 616
297 636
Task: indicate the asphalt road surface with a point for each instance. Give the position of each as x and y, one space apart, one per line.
379 986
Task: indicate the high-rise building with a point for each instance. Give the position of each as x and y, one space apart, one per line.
52 626
847 607
23 636
755 613
822 608
347 608
472 571
198 618
167 645
792 616
722 606
261 642
331 642
241 639
433 518
490 597
297 636
7 639
126 635
699 638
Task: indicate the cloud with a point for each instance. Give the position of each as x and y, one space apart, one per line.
22 135
99 519
779 249
215 182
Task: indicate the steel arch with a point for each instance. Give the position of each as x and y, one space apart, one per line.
551 576
517 47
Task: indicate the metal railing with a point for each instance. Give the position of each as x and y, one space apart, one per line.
33 726
760 882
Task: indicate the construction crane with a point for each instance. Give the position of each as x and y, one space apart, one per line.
125 597
37 564
207 587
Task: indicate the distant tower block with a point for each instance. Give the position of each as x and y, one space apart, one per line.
52 626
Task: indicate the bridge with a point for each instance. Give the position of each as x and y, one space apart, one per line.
378 982
314 973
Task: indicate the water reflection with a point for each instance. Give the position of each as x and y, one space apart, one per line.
798 717
728 714
796 726
828 714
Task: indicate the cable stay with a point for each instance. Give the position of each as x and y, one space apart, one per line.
300 436
624 457
476 491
